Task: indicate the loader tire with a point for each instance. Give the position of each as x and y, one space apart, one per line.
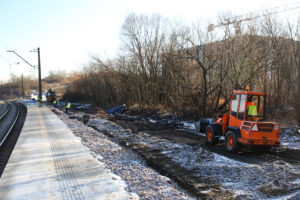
231 142
211 136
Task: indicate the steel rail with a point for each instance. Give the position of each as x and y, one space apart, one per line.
13 124
5 112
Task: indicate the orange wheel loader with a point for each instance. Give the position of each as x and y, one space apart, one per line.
244 124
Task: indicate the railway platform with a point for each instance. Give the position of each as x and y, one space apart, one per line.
49 162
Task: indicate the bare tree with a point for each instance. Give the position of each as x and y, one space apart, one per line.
189 68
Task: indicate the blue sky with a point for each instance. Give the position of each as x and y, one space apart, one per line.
70 31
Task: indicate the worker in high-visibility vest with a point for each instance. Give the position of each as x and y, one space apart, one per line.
252 109
55 103
68 106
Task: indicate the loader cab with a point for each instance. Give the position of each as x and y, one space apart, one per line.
246 106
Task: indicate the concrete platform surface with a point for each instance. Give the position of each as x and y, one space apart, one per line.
49 162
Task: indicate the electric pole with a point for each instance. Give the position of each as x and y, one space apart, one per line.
40 78
10 82
22 87
39 68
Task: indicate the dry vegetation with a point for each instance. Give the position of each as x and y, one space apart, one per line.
57 80
13 87
187 68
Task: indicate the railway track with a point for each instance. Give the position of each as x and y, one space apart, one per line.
4 108
8 120
12 117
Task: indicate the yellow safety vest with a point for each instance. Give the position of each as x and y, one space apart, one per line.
54 102
68 105
252 110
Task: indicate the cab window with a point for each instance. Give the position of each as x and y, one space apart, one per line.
255 108
234 104
242 107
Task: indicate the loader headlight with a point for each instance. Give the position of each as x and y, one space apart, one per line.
276 127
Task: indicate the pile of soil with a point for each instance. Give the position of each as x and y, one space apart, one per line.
96 110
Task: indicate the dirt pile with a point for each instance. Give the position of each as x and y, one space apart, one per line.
96 110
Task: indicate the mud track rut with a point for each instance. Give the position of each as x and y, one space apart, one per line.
185 137
185 178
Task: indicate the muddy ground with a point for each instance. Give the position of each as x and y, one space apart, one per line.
208 172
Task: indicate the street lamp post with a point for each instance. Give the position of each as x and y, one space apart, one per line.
39 68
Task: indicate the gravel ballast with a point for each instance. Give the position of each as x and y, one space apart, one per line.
124 162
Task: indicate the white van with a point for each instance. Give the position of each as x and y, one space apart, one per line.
34 96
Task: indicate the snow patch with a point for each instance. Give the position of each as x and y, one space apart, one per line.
290 138
255 181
